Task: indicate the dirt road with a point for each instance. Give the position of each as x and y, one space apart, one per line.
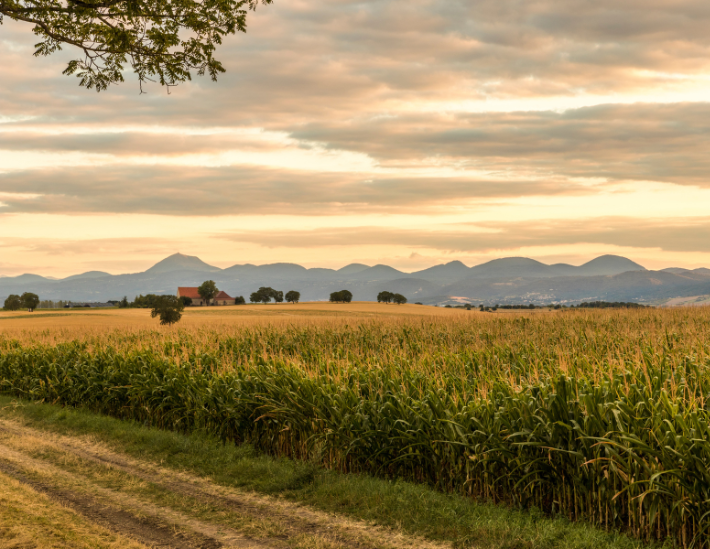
60 491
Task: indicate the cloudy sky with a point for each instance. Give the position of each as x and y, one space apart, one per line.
406 132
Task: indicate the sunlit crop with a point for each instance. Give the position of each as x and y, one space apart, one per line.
595 415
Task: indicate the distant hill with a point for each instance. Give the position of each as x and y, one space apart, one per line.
26 278
512 267
89 274
280 270
378 272
180 262
239 269
609 265
505 280
353 268
678 270
448 271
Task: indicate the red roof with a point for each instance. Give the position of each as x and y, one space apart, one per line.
223 295
186 291
192 293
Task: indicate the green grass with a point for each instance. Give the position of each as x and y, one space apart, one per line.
416 509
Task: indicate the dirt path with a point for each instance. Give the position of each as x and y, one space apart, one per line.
160 507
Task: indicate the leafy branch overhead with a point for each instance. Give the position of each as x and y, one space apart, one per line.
162 40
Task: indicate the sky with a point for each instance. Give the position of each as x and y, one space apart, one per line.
405 132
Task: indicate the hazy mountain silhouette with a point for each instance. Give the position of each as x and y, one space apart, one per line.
512 267
378 272
180 262
609 265
88 274
505 280
454 270
239 269
353 268
679 270
26 278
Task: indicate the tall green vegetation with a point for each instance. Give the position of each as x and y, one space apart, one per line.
594 415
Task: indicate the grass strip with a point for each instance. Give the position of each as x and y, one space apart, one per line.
416 509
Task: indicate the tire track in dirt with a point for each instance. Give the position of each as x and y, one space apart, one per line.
295 519
147 523
145 530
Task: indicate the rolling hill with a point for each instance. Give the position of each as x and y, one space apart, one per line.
505 280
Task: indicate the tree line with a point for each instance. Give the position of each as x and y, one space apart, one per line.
610 305
343 296
28 301
265 294
389 297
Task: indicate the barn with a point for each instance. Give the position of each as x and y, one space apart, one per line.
222 298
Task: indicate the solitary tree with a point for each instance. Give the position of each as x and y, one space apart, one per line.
169 308
162 40
399 299
29 301
207 290
278 296
12 303
292 296
239 300
385 297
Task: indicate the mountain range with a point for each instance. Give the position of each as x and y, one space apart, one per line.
507 280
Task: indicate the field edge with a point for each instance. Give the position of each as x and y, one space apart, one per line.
415 509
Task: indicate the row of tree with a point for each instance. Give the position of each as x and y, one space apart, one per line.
389 297
343 296
610 305
265 294
28 301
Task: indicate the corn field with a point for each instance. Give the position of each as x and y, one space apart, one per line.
600 416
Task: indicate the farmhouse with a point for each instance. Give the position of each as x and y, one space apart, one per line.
220 299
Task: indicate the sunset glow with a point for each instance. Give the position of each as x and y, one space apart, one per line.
407 133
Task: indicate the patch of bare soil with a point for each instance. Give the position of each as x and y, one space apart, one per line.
295 522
